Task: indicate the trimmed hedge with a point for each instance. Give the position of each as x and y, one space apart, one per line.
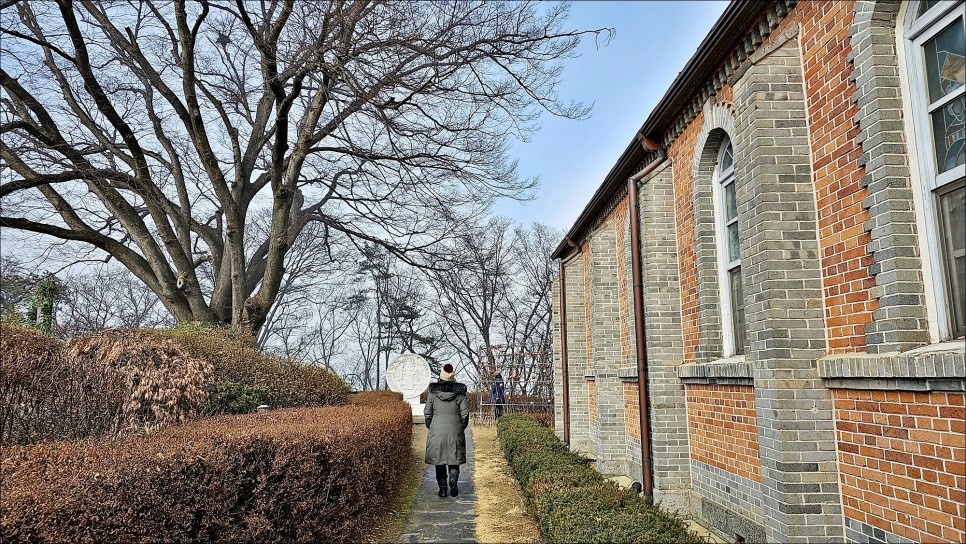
244 376
572 501
293 475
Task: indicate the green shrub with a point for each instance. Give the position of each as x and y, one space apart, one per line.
234 398
291 475
572 501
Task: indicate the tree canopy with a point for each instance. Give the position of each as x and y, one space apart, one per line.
153 131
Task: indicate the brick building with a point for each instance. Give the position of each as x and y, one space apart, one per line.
770 281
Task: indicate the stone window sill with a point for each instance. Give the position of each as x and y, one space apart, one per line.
936 367
726 371
627 374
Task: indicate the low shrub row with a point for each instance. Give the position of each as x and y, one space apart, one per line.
572 501
291 475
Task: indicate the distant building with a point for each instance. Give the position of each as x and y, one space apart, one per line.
794 213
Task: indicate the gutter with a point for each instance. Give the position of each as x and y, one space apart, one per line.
564 374
640 340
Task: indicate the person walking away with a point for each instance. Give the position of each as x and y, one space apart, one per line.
497 395
447 415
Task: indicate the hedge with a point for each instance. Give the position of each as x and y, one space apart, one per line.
244 377
93 385
572 501
291 475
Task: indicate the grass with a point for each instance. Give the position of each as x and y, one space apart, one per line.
501 514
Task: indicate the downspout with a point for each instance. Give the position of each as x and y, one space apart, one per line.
639 336
565 371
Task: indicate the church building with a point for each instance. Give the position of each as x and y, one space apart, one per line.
760 313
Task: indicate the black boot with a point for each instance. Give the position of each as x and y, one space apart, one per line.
442 487
454 475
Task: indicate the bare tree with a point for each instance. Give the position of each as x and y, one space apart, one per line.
473 294
107 297
151 130
527 321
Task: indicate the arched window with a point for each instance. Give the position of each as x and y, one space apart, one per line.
936 48
729 252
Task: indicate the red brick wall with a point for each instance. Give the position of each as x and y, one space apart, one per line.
619 221
681 154
837 174
632 412
902 461
723 428
592 400
588 297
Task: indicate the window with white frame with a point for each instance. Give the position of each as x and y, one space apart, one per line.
729 252
936 49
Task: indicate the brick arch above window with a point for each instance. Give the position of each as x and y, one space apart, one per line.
719 124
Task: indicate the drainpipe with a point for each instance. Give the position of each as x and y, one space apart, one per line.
639 336
565 371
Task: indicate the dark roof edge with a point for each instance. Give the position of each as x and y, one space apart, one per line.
720 41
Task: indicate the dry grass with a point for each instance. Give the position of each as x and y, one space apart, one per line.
501 515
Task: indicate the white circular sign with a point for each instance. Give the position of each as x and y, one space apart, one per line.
408 374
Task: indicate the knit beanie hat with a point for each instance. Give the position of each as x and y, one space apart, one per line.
447 374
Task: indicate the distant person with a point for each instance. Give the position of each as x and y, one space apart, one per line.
498 395
447 416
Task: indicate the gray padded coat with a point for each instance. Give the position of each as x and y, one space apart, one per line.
447 416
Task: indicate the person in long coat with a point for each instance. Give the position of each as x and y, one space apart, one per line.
447 416
497 397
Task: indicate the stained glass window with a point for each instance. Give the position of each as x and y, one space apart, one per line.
938 72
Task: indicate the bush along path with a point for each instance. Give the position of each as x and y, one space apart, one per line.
450 519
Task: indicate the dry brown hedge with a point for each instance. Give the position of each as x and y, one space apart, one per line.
294 475
236 360
93 385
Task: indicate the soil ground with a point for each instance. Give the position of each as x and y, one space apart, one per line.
501 515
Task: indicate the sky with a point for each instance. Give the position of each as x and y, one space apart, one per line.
624 81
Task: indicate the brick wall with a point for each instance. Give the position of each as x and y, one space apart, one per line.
585 259
632 413
622 247
723 428
838 177
902 462
592 399
681 154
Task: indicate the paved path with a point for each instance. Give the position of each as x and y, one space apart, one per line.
435 519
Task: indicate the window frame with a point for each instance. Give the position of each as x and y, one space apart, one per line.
721 179
917 31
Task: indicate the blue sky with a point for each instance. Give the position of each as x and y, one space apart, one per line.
624 81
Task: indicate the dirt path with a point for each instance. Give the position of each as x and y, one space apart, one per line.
501 515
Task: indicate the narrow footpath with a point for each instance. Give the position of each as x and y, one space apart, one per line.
435 519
